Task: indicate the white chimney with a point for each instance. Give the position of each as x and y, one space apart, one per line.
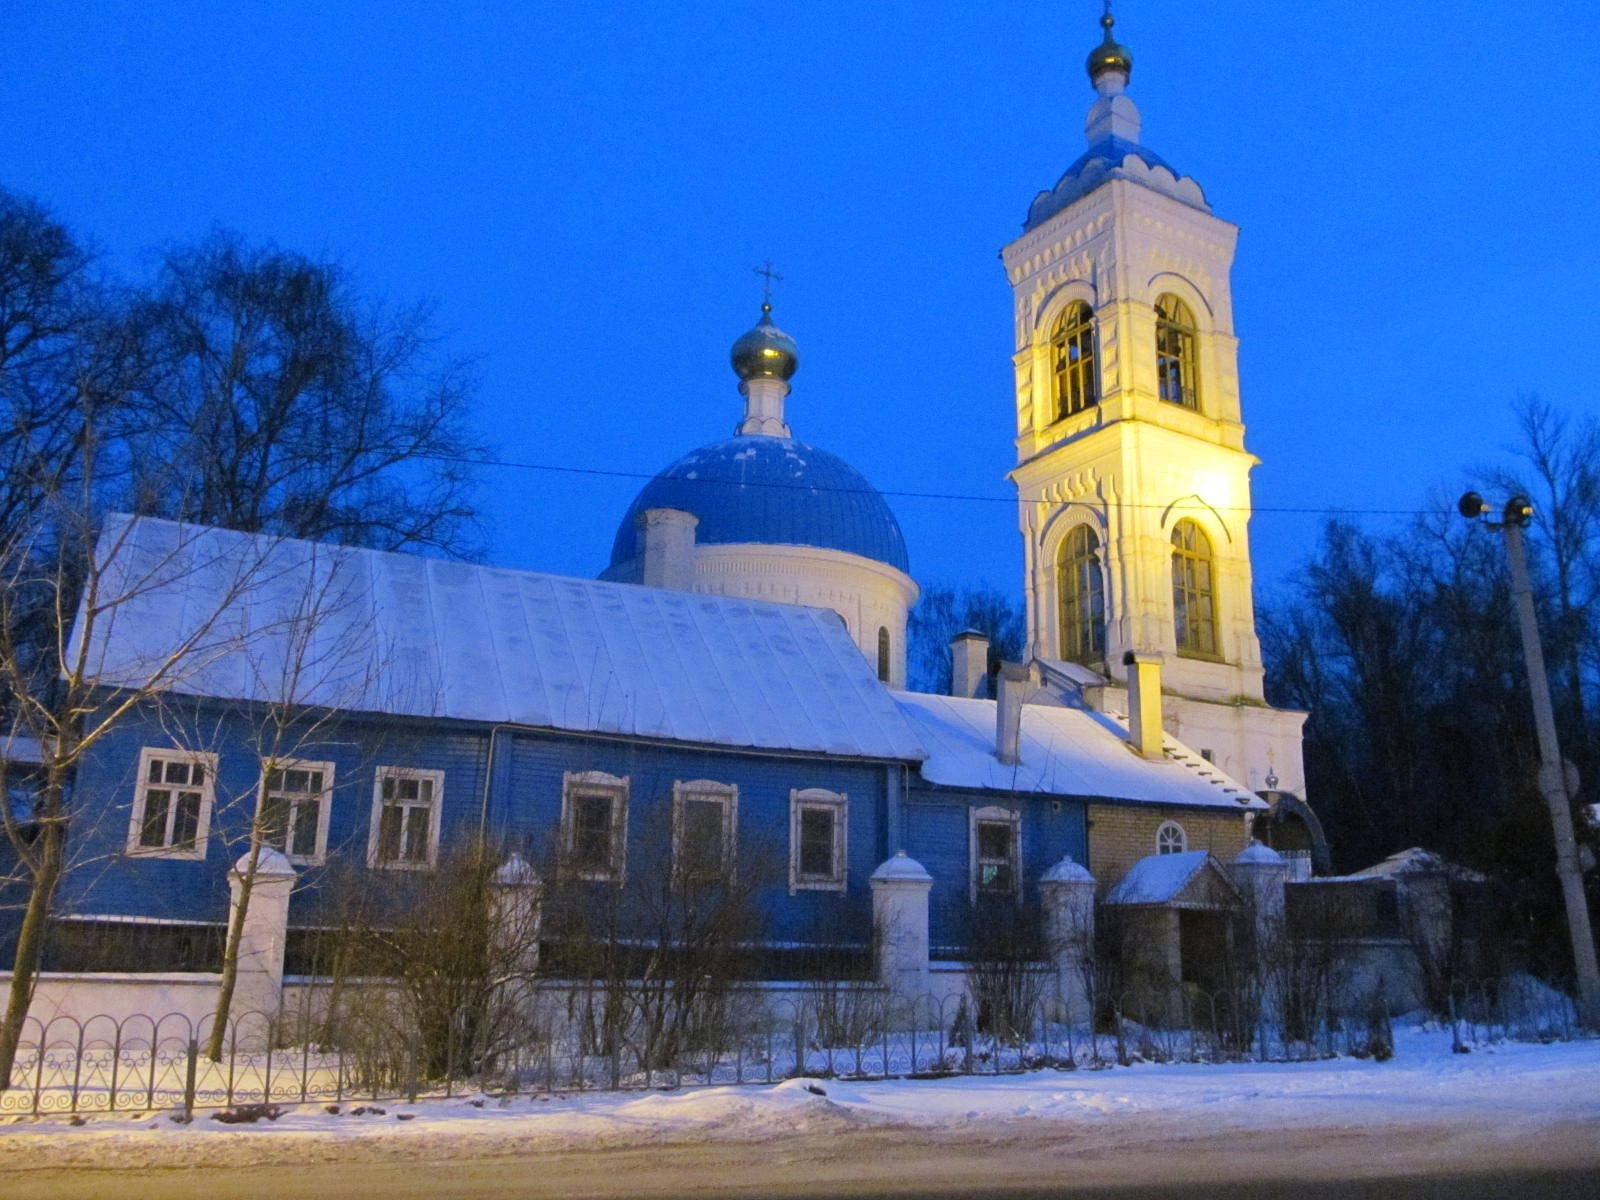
1144 703
1016 682
969 665
666 548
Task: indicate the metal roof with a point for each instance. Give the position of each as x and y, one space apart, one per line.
1064 752
771 491
273 620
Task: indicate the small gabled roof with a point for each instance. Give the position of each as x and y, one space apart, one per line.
1192 879
1064 752
1417 861
376 632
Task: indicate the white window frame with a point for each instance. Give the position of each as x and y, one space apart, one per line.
596 783
324 805
837 804
208 792
1171 838
994 814
707 791
375 828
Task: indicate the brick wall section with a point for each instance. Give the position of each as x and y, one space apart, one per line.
1121 834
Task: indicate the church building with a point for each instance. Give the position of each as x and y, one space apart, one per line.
736 676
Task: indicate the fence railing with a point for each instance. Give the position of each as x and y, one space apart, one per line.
553 1043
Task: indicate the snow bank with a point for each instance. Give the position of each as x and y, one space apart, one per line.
1505 1088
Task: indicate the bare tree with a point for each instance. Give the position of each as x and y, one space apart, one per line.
276 404
657 952
306 665
60 354
446 958
941 613
1561 473
76 698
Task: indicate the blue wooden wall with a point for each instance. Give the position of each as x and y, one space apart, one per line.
520 810
938 829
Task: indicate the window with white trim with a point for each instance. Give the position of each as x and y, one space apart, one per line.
705 821
594 824
172 803
1171 839
995 852
817 832
295 805
405 818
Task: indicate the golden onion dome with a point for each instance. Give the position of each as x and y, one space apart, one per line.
766 352
1109 55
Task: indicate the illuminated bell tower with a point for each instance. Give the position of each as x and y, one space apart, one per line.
1132 475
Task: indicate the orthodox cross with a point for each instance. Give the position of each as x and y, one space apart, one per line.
768 275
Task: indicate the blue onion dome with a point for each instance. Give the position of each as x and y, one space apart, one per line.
771 491
1109 55
766 352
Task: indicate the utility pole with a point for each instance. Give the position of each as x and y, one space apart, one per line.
1554 771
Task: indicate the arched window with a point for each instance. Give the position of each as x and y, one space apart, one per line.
1081 587
883 654
1177 377
1171 839
1194 597
1072 345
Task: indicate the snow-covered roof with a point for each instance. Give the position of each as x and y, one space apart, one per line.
273 619
1162 878
1064 752
1416 861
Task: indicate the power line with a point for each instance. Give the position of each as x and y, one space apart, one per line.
958 497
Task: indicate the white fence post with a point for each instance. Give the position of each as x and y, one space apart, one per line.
900 888
1066 893
258 992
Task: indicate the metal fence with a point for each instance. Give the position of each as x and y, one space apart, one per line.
147 1064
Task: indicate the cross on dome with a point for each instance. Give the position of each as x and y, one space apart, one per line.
1109 55
768 275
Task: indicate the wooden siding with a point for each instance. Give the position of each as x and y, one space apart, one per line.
938 830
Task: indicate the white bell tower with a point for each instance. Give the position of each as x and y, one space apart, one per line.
1132 475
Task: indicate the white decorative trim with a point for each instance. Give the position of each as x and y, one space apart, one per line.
996 815
1175 836
324 805
707 791
208 793
838 803
375 824
597 783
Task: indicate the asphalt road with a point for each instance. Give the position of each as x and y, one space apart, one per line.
1301 1164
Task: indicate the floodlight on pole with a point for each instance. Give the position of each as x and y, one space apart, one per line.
1558 779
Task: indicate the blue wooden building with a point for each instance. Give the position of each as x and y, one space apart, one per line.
381 709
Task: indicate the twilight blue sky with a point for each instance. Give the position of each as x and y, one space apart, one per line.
583 189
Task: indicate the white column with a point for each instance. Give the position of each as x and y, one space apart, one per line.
900 890
516 914
1260 873
1066 893
258 987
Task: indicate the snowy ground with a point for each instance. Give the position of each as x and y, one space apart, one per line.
1507 1091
